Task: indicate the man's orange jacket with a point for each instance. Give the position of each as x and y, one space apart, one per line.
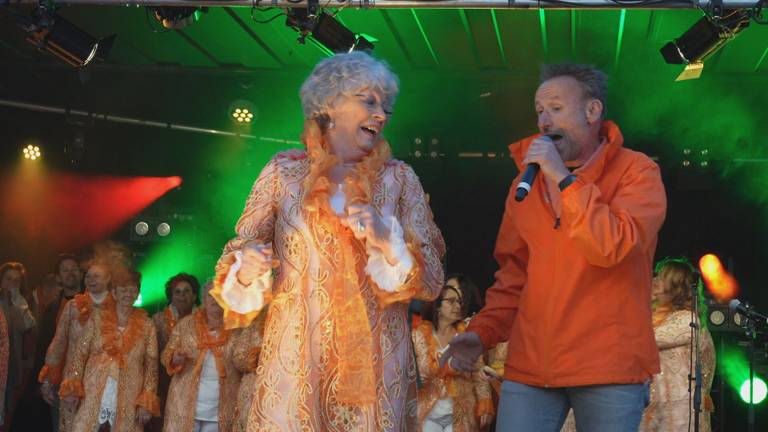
573 297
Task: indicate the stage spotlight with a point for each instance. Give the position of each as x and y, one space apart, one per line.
326 31
32 152
141 228
702 40
759 391
177 17
242 112
63 39
163 229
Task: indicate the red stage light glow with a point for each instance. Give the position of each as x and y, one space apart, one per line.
67 211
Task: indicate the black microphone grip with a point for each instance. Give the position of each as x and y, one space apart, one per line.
526 181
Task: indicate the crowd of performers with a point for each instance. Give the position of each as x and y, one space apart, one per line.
330 311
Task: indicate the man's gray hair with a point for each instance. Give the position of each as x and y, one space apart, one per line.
345 74
594 82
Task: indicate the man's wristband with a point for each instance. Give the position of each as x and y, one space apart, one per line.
564 183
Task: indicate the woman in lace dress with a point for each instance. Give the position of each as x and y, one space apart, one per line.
113 372
355 241
670 408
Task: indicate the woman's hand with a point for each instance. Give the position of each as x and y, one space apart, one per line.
257 259
70 403
143 416
46 389
365 223
488 374
485 420
179 359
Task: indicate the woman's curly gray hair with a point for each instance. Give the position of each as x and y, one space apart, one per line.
344 74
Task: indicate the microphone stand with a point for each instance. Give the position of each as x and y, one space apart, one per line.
696 348
751 332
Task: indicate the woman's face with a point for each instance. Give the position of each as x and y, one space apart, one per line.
11 280
450 306
182 296
210 304
97 279
358 123
126 295
659 290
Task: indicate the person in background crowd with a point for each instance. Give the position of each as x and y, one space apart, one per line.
448 400
4 341
669 409
20 320
181 291
108 260
204 382
113 373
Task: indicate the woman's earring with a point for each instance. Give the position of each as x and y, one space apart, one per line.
331 124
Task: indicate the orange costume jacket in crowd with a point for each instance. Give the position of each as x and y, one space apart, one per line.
470 393
192 337
573 297
128 356
69 327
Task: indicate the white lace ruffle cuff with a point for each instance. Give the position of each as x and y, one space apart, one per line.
241 298
390 278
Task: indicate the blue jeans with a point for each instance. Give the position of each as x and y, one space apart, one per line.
597 408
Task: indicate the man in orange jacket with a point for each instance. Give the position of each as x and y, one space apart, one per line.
572 294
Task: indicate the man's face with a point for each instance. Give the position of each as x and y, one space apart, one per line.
69 274
563 115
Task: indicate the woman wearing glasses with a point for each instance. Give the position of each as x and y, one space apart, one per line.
448 400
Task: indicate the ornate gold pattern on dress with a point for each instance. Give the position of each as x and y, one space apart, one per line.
669 408
298 377
164 323
471 394
129 357
191 337
69 328
246 358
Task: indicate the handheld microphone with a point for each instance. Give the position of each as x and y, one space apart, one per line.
526 181
529 176
737 306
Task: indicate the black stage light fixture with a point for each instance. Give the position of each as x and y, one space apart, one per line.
326 31
705 37
178 17
51 32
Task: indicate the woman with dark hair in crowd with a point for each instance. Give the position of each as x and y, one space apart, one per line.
199 358
181 290
20 320
672 293
448 400
113 372
473 299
